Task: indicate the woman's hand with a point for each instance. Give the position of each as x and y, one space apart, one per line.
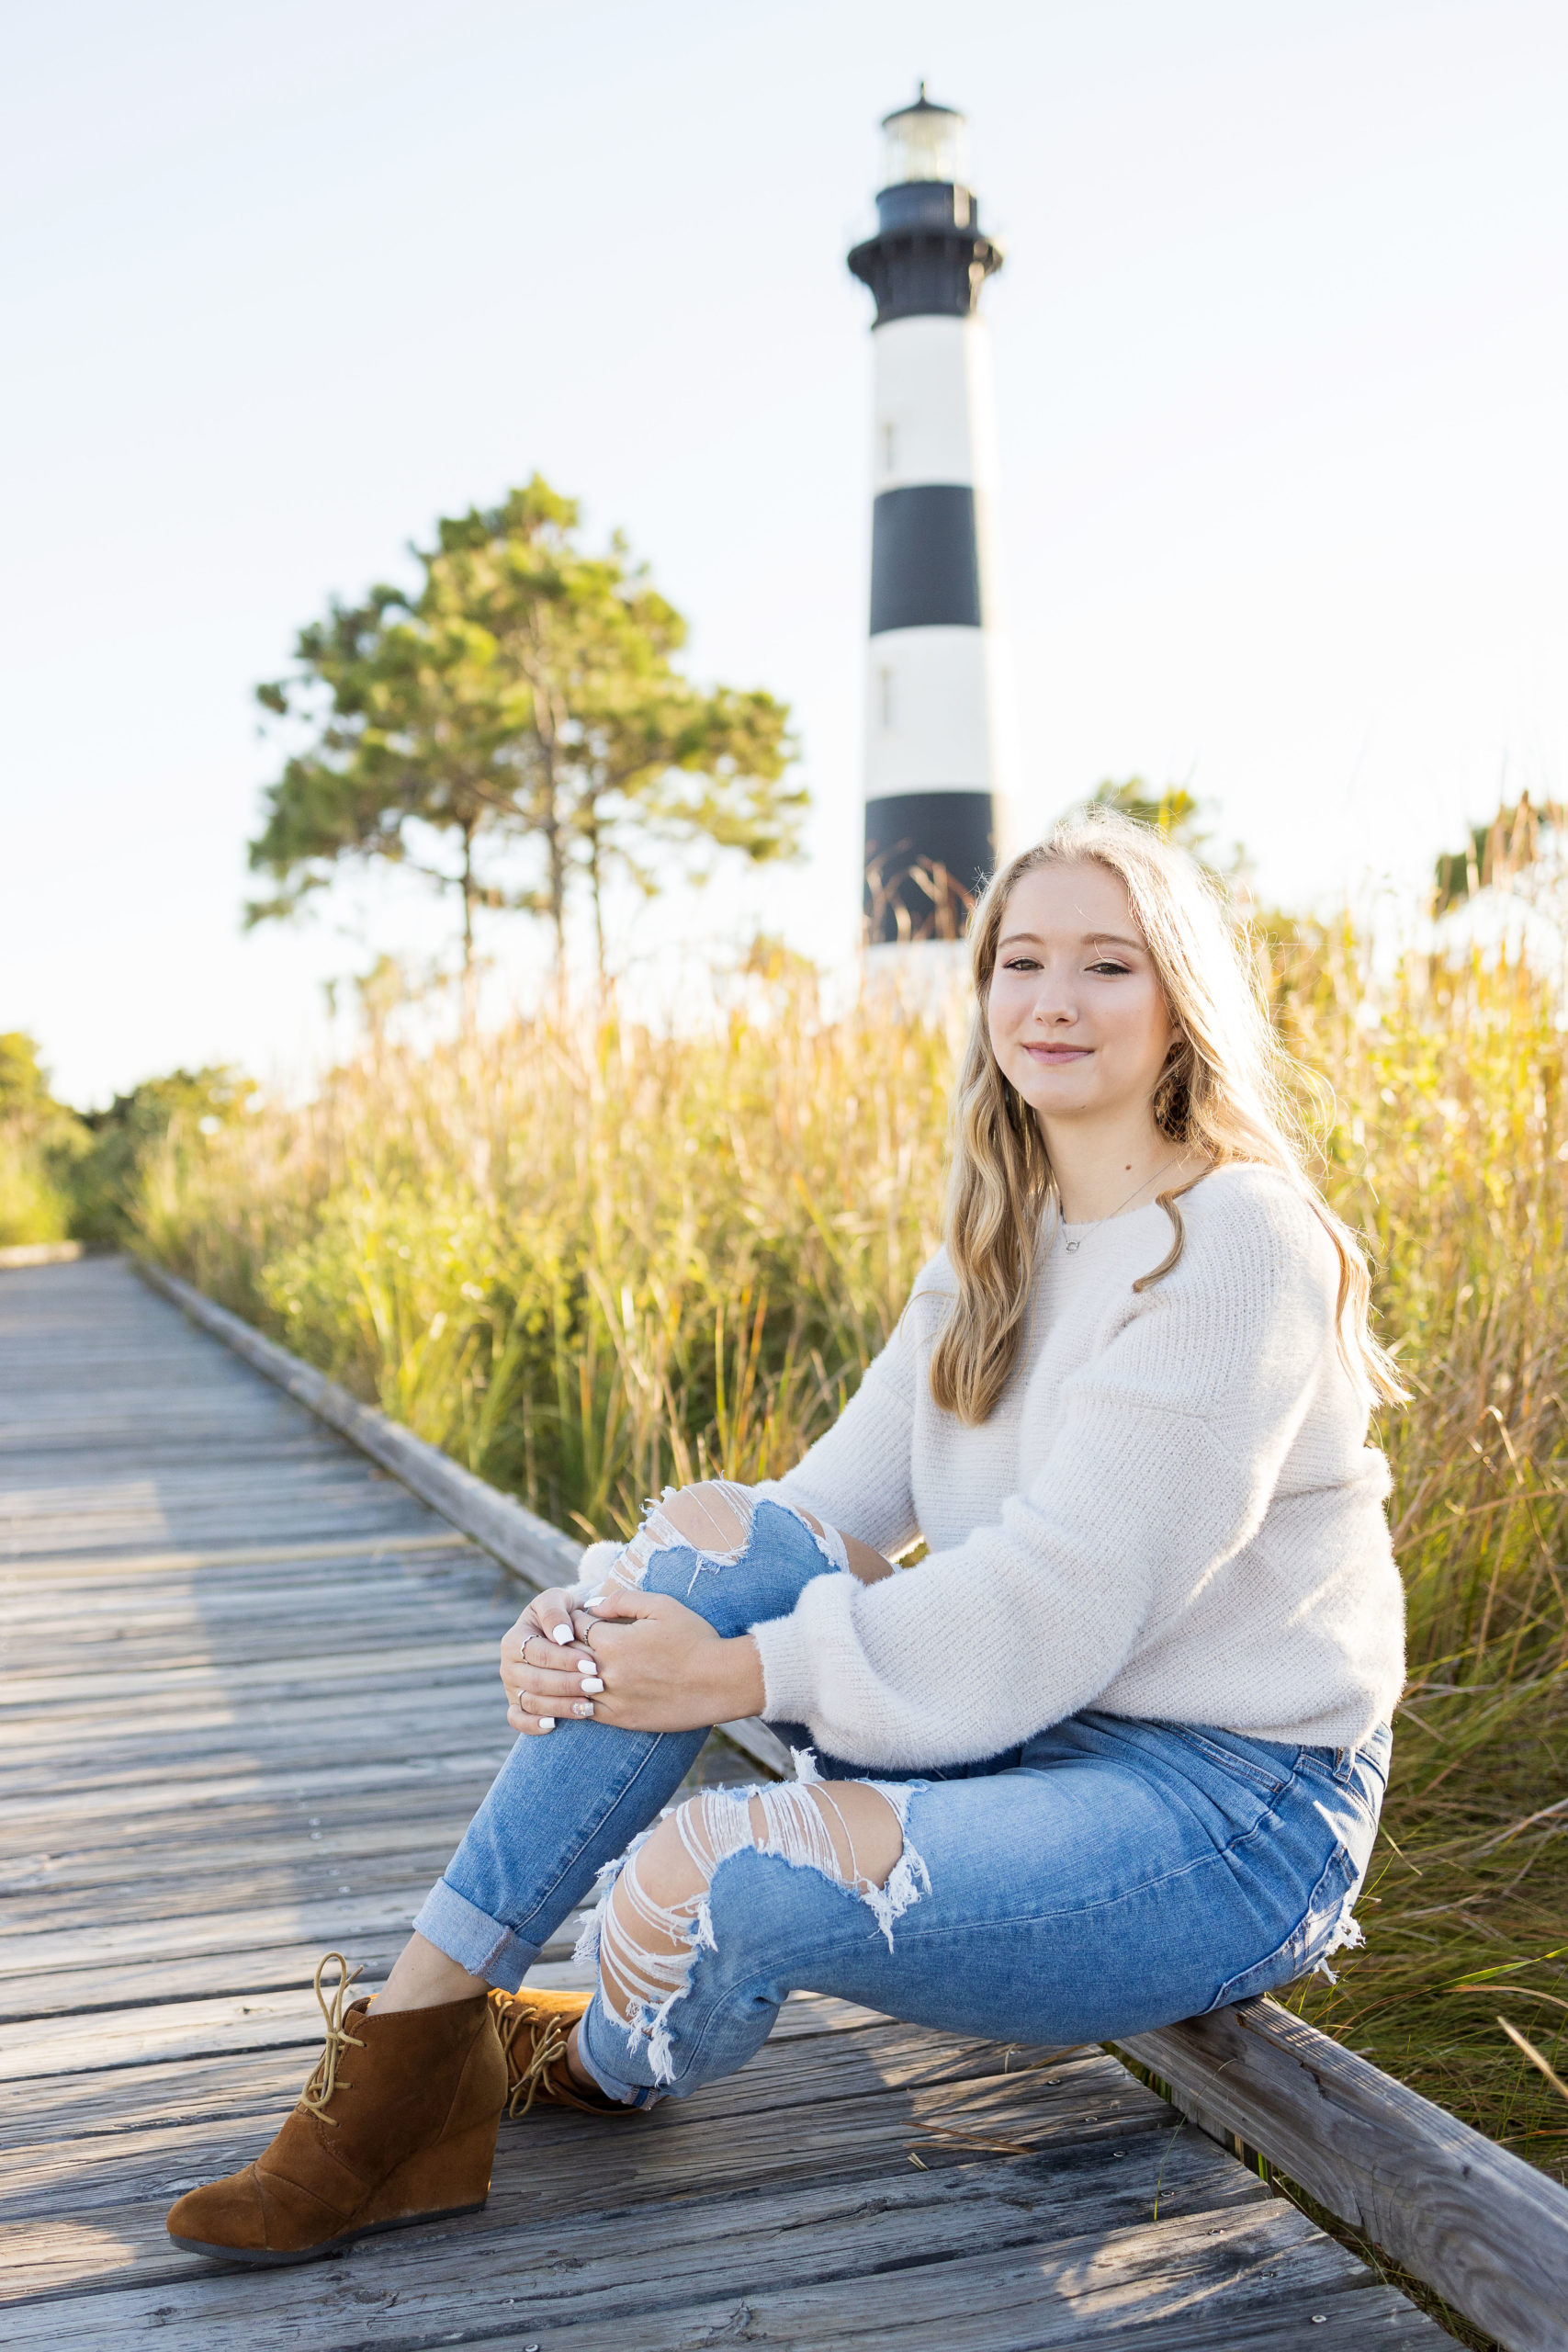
640 1660
546 1669
663 1667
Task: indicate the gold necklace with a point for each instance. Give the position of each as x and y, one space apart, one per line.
1095 1223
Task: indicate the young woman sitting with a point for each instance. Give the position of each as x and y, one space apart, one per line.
1111 1755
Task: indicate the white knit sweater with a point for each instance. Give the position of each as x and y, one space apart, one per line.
1172 1512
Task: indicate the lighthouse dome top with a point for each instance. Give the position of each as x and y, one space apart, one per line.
924 141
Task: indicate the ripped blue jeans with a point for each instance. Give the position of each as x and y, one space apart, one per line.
1108 1876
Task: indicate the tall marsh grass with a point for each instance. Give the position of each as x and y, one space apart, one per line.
588 1260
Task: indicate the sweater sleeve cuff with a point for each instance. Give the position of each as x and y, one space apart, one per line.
787 1693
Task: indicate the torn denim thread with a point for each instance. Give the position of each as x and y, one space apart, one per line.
714 1826
731 1533
1346 1933
1347 1936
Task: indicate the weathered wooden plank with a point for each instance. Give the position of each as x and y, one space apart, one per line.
139 1615
297 1865
112 2106
209 1719
41 1694
400 1625
98 1472
319 1923
815 2232
120 1795
182 1925
362 1495
277 1523
318 1479
356 1826
1488 2231
563 2166
298 1729
90 1841
81 1991
234 1496
105 1582
118 1782
461 1741
103 1586
201 1696
46 2050
1198 2282
44 1993
129 1667
556 2162
50 1579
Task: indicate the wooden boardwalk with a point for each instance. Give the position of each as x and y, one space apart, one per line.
249 1700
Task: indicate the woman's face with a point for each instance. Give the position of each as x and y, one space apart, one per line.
1077 1020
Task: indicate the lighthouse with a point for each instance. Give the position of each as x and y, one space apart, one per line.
938 710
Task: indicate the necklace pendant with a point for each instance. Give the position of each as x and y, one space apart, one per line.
1074 1245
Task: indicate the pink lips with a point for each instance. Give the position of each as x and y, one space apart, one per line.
1058 1053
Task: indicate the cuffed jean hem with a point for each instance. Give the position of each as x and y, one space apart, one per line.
610 2082
476 1941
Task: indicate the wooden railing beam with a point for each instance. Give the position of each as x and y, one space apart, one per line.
1486 2230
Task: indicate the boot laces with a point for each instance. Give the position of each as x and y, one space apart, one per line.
549 2046
322 2081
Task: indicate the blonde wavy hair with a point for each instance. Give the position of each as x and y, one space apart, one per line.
1229 1091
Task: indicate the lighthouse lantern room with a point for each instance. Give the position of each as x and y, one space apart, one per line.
938 702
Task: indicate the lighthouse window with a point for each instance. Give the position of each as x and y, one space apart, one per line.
885 697
923 143
889 446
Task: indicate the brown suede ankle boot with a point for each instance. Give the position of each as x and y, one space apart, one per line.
397 2125
535 2026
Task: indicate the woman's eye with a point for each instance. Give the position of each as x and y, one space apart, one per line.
1108 967
1020 964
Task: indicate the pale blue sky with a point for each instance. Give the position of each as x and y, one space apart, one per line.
1282 347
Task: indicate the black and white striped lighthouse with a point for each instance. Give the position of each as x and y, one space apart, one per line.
939 702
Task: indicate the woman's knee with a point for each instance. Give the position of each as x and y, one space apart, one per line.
658 1921
713 1518
847 1831
723 1551
714 1515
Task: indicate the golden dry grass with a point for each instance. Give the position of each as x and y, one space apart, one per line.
588 1260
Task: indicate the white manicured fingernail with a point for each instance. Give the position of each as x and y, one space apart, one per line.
592 1682
560 1633
583 1707
585 1665
547 1723
594 1598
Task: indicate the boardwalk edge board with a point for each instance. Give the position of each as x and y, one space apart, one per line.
534 1551
1488 2231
